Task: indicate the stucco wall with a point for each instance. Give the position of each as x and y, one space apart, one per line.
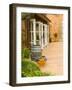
55 27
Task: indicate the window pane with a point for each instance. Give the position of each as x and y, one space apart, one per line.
31 26
37 42
37 27
32 36
37 35
43 34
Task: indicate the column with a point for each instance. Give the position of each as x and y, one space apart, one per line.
42 35
34 30
39 34
31 30
46 36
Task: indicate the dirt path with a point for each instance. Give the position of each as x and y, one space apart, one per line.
54 55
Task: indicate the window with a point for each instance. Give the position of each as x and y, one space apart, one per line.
43 34
38 33
32 33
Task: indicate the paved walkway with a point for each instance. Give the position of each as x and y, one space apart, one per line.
54 55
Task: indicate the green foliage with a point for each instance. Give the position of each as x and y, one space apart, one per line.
30 69
47 74
25 53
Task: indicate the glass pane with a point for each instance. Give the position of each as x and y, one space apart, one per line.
32 37
37 27
37 42
43 34
37 35
31 26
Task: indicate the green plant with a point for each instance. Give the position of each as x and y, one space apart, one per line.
47 74
25 53
31 68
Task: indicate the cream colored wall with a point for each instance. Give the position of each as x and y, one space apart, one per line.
55 26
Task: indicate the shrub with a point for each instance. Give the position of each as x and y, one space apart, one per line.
47 74
31 68
25 53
